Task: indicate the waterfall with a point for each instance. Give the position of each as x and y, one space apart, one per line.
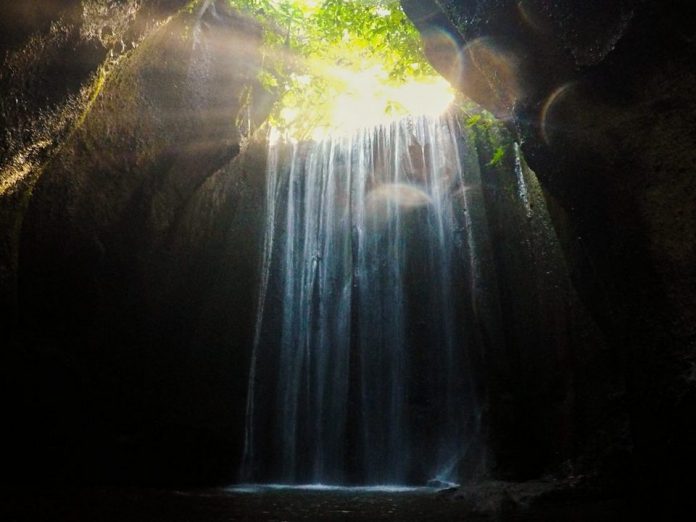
361 370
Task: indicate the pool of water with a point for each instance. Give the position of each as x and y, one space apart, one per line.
386 488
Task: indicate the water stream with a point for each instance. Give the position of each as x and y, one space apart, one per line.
367 318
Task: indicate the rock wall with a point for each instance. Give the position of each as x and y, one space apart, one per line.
601 98
137 265
54 57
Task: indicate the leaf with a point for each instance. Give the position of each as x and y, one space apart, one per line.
497 157
473 120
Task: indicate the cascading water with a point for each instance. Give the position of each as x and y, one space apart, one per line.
361 369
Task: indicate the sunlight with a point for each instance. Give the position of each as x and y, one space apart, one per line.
369 99
336 67
307 6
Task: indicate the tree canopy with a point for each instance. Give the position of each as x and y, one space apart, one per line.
318 54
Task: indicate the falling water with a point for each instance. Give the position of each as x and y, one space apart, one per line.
361 370
522 191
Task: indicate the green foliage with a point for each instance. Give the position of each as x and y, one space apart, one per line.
492 137
497 156
311 47
473 120
478 118
346 31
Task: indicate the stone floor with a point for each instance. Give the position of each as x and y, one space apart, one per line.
218 505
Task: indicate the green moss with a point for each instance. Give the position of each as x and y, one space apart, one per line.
96 89
498 155
493 140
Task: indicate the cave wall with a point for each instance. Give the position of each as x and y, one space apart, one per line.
547 365
136 265
54 57
601 98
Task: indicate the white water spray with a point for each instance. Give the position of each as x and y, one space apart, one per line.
360 370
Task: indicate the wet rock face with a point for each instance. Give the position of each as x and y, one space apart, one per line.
137 262
53 55
602 97
49 52
506 55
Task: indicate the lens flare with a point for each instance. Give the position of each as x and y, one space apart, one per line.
548 107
